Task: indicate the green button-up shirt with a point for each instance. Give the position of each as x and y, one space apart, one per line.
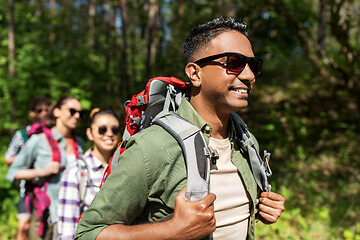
149 175
37 154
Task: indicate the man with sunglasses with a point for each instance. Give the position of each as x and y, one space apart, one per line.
148 183
37 111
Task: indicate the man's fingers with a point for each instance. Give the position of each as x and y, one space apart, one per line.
209 199
272 196
206 201
272 204
267 218
271 207
270 210
181 196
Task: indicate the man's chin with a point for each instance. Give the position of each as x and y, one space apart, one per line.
242 105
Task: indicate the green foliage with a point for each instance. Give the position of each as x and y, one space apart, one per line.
352 235
9 196
314 161
294 225
305 107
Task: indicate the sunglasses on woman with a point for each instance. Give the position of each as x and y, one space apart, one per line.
74 111
235 62
103 129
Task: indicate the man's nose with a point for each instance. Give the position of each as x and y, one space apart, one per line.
247 74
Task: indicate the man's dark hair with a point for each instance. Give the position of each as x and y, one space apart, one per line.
39 100
200 36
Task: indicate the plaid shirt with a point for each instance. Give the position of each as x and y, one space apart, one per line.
17 142
69 194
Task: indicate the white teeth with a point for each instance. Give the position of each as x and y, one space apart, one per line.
109 141
241 90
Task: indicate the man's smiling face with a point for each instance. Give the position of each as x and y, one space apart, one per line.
221 89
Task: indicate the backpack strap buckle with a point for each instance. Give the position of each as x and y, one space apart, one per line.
169 104
134 120
212 154
172 91
266 164
140 100
245 143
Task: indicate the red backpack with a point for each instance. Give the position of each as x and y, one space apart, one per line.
142 108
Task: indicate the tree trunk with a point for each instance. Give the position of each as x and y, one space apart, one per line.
38 12
91 22
336 74
322 23
107 49
67 23
307 42
150 36
11 56
52 35
126 83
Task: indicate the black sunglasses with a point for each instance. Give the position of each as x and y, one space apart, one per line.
236 62
41 110
103 129
74 111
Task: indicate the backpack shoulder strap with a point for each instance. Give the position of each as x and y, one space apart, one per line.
75 146
24 135
120 148
84 178
195 152
54 145
260 167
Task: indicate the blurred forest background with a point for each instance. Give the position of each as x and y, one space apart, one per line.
305 107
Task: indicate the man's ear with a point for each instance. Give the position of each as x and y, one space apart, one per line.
193 71
89 134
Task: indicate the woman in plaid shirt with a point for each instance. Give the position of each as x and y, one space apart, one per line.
104 132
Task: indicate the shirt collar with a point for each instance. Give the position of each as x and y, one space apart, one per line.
187 111
57 136
95 163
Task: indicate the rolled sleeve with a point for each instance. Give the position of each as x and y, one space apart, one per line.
25 158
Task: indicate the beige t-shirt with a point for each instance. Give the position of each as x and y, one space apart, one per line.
231 205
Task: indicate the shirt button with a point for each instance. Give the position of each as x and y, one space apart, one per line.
207 129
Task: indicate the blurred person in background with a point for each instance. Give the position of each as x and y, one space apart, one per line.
38 108
41 162
81 182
